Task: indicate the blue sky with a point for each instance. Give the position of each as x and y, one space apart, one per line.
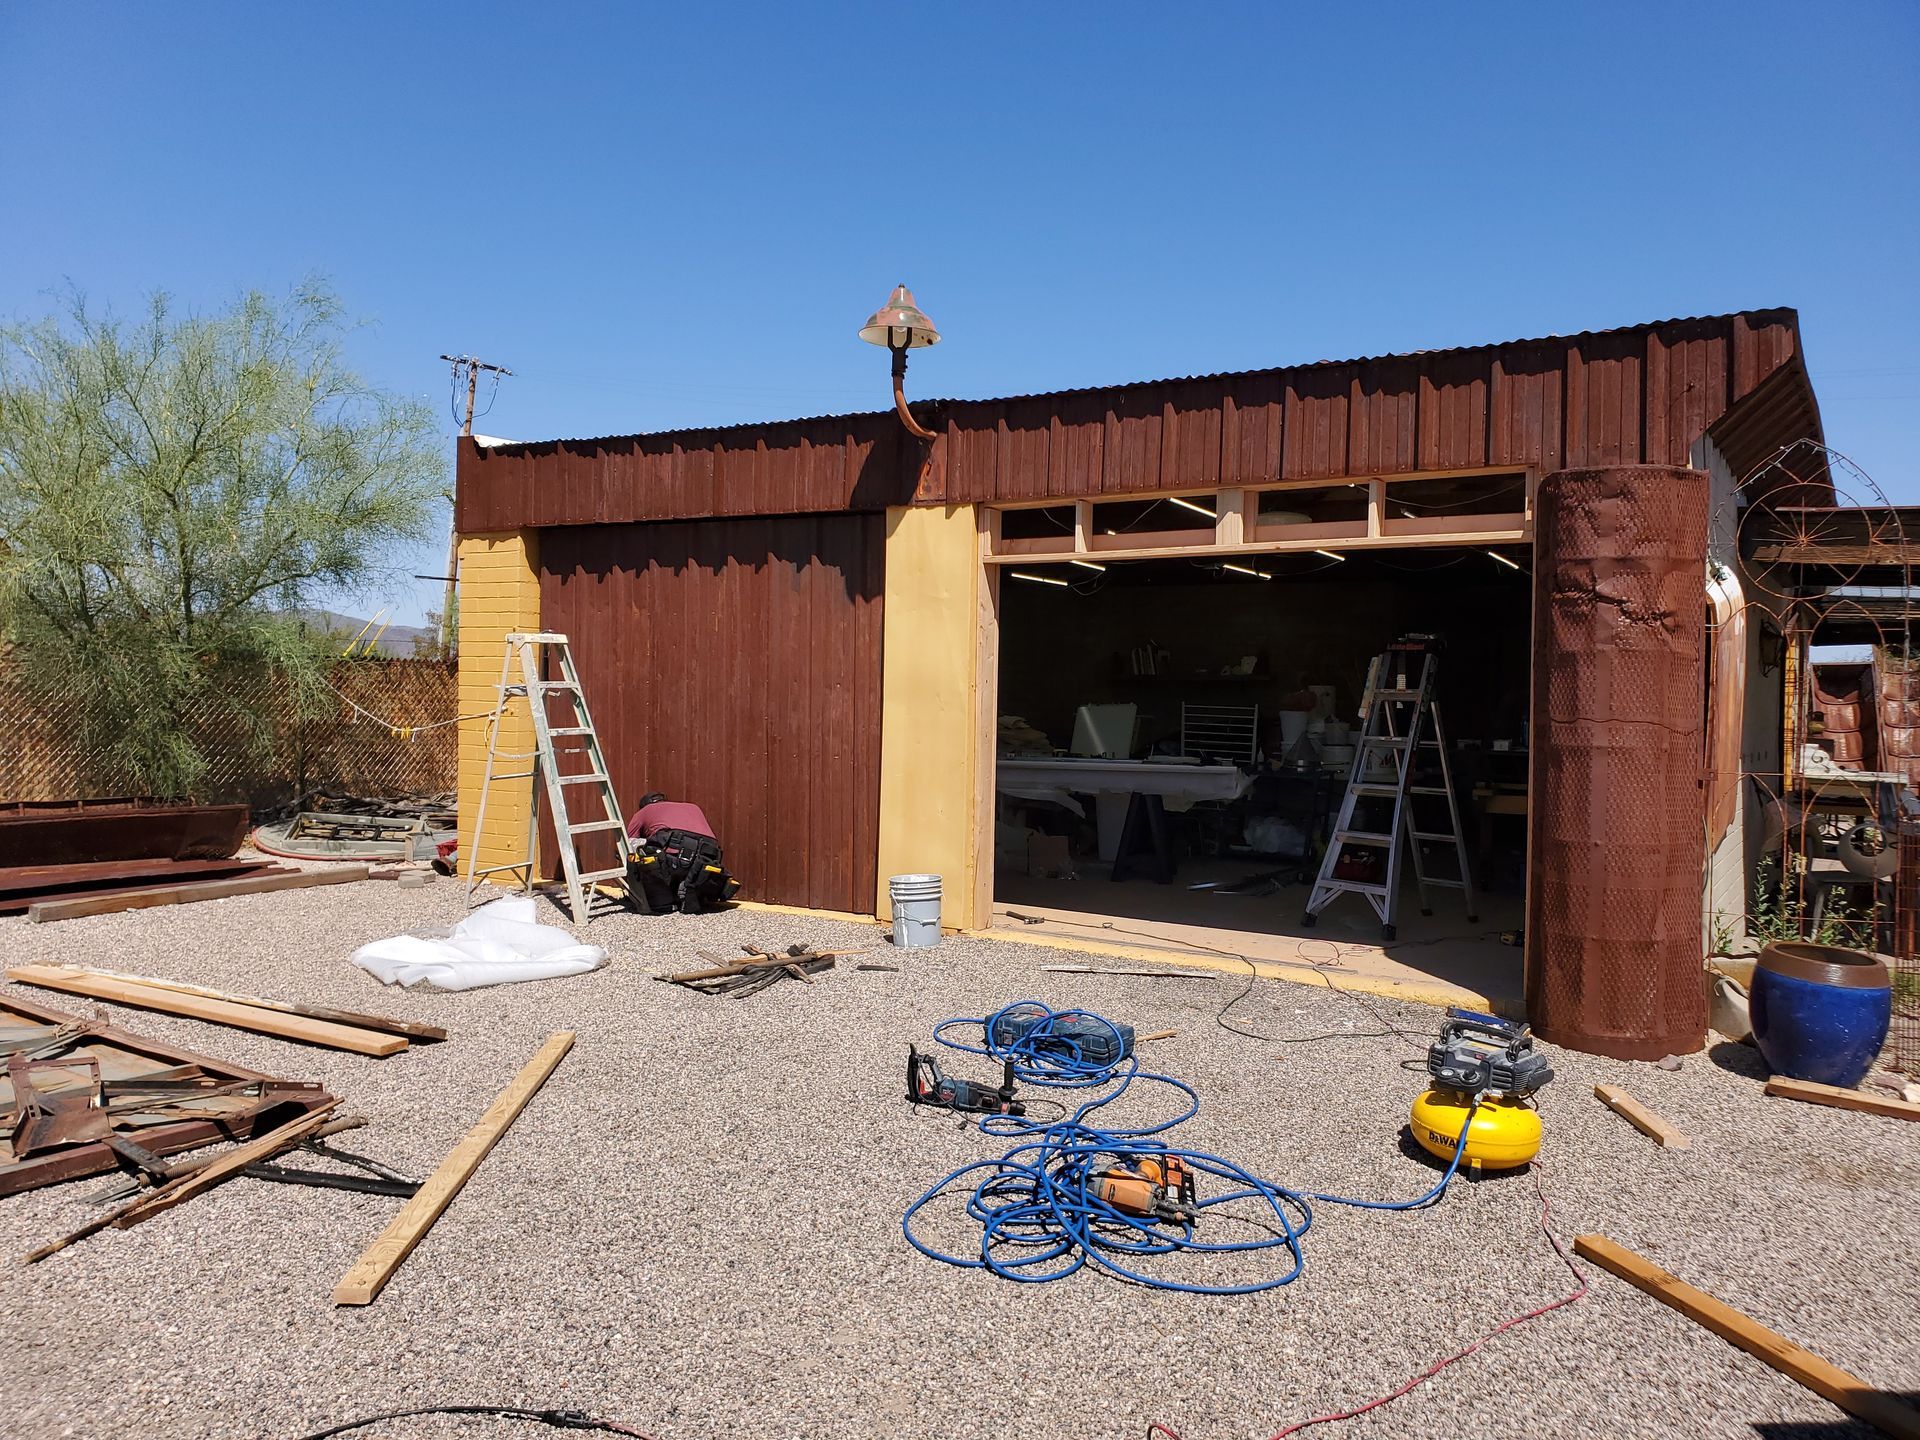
679 215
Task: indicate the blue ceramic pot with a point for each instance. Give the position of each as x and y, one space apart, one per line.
1819 1012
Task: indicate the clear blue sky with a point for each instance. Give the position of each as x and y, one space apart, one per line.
678 216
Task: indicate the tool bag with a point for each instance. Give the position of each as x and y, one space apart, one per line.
680 870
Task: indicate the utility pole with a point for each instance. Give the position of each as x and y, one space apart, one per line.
473 365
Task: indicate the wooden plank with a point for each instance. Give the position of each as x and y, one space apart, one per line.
414 1030
1851 1394
1640 1117
375 1267
231 1163
186 1186
218 1012
119 900
1816 1094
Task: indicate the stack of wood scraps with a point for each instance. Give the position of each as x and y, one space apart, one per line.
761 968
351 1030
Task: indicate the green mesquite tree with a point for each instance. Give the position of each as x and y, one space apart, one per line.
172 492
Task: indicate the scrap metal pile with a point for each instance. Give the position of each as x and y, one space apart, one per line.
80 1097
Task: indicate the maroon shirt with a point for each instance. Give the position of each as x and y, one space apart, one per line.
650 820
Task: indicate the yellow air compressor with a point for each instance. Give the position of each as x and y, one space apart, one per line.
1486 1068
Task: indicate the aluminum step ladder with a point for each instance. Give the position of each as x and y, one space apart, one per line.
523 653
1400 718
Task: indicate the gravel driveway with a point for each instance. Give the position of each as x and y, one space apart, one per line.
694 1228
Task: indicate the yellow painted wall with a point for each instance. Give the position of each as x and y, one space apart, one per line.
935 728
499 594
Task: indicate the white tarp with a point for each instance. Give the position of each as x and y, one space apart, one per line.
497 944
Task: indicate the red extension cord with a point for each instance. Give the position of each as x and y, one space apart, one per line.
1546 1215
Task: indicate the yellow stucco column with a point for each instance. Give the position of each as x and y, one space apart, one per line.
939 675
499 594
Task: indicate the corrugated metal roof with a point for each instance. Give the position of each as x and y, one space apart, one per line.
1644 327
1642 394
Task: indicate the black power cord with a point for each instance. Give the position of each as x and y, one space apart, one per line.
558 1419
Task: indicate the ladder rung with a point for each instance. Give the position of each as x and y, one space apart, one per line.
596 825
1358 887
496 869
589 876
1447 884
579 779
571 730
1369 787
516 775
557 685
1361 837
1426 789
1447 836
1396 694
1386 742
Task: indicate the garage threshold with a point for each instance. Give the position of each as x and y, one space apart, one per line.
1365 968
1353 964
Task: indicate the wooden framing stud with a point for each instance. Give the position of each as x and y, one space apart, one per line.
1850 1393
375 1267
1640 1117
1817 1094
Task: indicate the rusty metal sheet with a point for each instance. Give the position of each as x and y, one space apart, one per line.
89 832
1613 923
24 885
182 1123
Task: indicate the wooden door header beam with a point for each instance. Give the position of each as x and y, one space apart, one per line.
1237 529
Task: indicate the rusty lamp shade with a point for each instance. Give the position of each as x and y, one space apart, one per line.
900 324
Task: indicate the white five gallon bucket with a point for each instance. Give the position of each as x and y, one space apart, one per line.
916 910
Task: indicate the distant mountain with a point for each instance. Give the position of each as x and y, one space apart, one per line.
394 642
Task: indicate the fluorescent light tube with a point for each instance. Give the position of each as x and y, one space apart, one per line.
1189 505
1040 579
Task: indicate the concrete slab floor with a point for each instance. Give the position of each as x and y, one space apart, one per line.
1439 959
694 1228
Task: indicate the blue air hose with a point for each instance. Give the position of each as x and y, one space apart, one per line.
1038 1216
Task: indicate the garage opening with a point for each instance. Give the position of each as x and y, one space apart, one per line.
1176 737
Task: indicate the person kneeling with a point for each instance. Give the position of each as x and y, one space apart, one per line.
674 861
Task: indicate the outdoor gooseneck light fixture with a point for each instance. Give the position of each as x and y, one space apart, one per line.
901 325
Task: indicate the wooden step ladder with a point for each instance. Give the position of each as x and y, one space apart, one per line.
1400 718
523 652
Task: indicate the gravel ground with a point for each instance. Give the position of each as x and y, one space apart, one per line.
694 1228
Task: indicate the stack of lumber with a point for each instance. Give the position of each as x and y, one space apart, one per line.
314 1024
181 883
761 968
24 886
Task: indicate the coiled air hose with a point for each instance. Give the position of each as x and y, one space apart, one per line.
1039 1216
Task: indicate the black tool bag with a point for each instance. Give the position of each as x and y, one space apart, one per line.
680 870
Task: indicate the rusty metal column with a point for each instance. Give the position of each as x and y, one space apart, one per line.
1614 869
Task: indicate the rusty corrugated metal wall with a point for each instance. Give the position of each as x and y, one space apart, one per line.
736 664
1613 909
1641 395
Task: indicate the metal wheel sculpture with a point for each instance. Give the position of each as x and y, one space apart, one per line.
1803 833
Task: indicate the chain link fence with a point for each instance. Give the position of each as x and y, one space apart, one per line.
340 749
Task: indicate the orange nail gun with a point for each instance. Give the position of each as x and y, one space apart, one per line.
1158 1187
